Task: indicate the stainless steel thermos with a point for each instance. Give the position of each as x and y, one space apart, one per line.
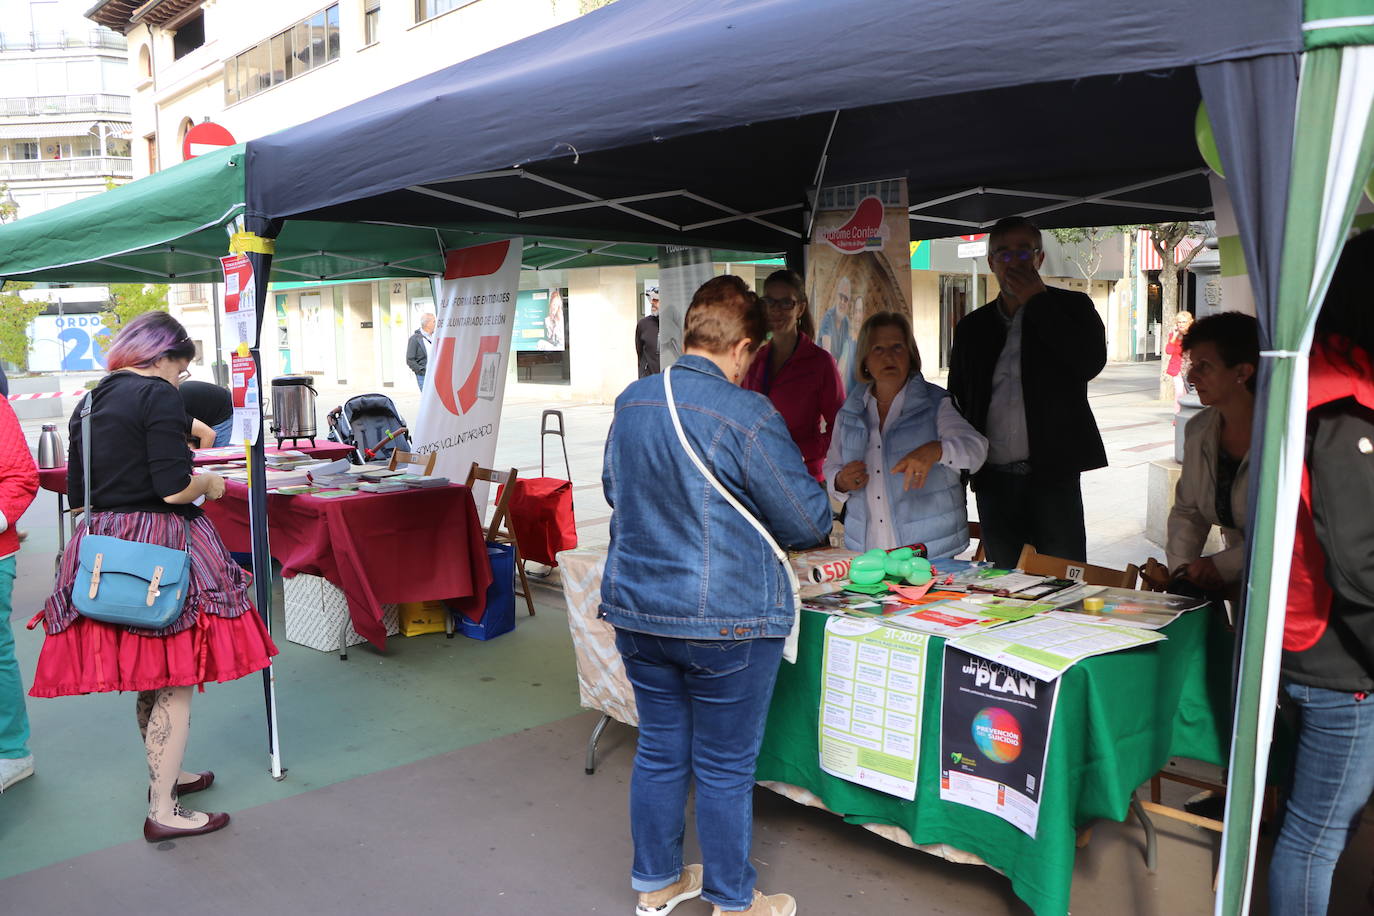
51 453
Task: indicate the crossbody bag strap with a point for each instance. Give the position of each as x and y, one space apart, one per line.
86 454
720 488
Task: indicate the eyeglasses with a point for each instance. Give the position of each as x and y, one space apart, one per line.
183 375
1008 255
778 303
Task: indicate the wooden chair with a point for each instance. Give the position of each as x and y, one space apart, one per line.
1040 564
499 530
975 534
400 459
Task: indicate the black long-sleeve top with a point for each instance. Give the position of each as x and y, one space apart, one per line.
139 454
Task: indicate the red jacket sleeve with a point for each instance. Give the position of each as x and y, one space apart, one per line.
18 474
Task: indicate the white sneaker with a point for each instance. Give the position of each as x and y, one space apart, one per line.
12 771
662 902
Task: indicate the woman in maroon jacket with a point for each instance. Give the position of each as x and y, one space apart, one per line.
18 484
800 378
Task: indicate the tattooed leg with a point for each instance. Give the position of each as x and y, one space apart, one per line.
143 708
169 725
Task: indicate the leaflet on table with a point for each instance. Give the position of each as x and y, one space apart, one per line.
995 729
949 619
871 704
1130 608
240 322
244 388
1046 646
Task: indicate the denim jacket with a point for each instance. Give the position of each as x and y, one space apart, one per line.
682 561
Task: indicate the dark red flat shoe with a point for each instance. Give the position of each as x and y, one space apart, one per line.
202 782
154 832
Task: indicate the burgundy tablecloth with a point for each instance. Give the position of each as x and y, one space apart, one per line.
55 479
378 548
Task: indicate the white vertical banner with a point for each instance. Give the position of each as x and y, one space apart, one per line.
681 271
460 407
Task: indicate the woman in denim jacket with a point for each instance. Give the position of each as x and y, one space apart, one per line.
699 602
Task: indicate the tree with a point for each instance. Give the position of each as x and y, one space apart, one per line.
9 210
129 300
1164 238
16 314
1083 248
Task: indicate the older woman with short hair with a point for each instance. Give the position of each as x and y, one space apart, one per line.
900 448
699 602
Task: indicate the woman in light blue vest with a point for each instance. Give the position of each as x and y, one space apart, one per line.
898 449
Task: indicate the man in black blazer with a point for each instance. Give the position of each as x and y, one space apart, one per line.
1019 372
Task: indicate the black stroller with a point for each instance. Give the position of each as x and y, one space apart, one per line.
369 423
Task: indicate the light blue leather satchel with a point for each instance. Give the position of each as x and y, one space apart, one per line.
127 582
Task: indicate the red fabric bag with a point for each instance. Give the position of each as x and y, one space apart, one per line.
541 514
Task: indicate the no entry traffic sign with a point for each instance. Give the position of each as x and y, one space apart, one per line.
205 138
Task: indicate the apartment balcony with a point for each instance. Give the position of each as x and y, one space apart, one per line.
182 294
87 167
45 41
42 106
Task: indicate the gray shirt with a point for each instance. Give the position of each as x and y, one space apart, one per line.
1008 441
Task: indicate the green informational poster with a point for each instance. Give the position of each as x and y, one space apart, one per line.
871 702
538 320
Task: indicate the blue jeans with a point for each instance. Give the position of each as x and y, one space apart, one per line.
702 709
1333 777
223 431
14 718
420 380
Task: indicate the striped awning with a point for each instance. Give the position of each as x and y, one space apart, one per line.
45 130
1149 258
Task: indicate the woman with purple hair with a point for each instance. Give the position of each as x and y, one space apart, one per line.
143 489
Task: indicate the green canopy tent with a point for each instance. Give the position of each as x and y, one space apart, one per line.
1332 131
175 225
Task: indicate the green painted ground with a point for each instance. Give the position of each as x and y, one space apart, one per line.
426 696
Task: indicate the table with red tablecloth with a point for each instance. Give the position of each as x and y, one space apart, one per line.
55 479
377 548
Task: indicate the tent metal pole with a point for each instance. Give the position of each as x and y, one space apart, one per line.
815 192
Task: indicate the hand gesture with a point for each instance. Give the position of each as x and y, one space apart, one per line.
916 465
1204 574
853 476
1022 282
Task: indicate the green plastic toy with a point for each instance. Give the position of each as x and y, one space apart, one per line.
867 569
918 571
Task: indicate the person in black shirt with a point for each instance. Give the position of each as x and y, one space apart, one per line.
212 407
646 337
143 488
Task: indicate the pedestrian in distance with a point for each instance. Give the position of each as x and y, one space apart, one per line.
18 484
143 489
1019 371
419 347
646 336
799 377
699 604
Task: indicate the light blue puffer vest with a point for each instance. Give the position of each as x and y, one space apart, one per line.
934 515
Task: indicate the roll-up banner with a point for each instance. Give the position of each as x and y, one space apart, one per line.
460 407
858 263
681 271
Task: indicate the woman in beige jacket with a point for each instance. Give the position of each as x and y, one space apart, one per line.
1221 353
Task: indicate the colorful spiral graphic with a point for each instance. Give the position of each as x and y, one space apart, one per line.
997 734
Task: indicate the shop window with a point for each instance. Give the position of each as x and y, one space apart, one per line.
310 43
188 36
372 20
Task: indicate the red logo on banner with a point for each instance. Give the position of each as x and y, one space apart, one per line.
863 230
477 261
459 401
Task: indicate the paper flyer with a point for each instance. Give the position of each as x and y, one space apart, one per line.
1046 647
243 378
949 619
1130 608
240 321
871 704
995 729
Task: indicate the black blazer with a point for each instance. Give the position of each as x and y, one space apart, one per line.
1063 347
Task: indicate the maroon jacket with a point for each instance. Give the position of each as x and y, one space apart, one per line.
808 392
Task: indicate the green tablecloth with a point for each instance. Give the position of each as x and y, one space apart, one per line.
1119 719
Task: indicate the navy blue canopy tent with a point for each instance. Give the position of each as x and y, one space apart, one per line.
714 123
